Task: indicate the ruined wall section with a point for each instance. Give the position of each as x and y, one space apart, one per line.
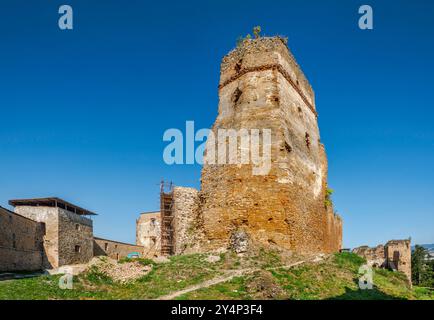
374 256
262 87
398 256
186 222
395 255
148 233
115 249
21 242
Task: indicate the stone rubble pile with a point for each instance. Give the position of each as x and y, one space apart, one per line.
124 272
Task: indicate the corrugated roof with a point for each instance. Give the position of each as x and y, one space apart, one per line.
51 202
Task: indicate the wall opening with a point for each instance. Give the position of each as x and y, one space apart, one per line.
288 147
307 138
105 246
77 249
77 227
238 65
236 95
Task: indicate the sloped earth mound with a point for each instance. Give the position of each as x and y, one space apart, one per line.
263 274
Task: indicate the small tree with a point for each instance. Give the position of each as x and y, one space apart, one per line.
418 264
257 31
328 197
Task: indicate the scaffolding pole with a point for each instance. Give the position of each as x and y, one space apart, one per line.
166 204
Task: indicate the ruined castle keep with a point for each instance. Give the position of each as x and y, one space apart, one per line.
261 88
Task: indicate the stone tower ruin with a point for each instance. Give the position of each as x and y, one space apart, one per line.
262 87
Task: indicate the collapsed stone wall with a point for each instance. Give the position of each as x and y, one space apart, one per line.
394 255
21 242
398 256
375 257
115 249
262 87
148 233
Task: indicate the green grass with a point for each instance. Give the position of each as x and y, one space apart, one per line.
178 273
230 290
334 278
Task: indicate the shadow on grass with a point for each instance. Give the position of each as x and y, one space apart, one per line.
20 275
368 294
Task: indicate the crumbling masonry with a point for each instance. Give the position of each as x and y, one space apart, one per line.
394 255
261 87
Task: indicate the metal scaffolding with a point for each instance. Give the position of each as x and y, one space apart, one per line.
166 203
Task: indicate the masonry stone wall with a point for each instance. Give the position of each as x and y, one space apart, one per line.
148 233
374 256
75 238
186 223
262 87
68 238
398 256
395 255
50 217
21 242
115 249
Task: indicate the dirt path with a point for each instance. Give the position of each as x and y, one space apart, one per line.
227 277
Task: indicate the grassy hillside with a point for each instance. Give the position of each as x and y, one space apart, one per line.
263 277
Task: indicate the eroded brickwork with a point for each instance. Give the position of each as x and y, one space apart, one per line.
262 87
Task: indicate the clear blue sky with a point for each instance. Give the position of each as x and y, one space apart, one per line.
83 112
